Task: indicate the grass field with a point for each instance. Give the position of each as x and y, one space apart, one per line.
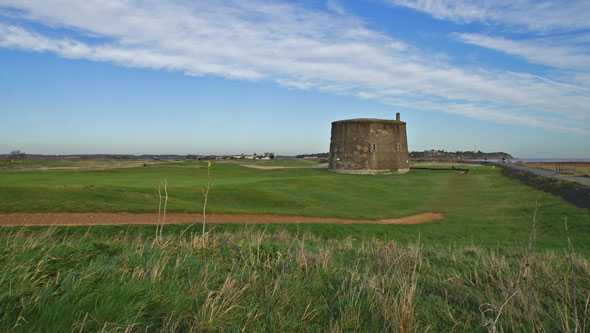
478 269
74 163
113 279
290 163
481 207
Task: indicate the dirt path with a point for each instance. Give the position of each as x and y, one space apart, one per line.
27 219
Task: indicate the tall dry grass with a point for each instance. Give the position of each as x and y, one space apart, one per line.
83 280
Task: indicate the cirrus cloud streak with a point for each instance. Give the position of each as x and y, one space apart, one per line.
292 46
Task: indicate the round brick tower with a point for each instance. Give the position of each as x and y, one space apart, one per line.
369 146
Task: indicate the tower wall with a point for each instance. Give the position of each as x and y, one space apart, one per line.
369 146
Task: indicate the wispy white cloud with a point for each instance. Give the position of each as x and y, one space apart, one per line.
296 47
335 6
562 52
533 15
552 33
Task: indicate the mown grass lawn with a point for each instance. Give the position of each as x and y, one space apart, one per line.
481 207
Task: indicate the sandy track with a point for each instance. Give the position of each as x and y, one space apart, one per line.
26 219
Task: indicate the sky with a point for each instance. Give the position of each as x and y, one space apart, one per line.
229 77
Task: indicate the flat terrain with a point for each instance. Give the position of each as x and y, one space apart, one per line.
75 163
285 163
481 207
479 265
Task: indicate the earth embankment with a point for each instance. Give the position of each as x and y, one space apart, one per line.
575 190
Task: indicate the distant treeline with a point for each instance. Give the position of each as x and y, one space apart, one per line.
318 155
443 154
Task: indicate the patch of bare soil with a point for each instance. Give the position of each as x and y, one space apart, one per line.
275 167
414 219
27 219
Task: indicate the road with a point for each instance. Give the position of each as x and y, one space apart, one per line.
550 174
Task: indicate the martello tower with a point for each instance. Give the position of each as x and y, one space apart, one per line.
369 146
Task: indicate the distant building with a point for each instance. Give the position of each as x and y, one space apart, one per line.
432 153
369 146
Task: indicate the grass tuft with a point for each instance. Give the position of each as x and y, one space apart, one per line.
63 279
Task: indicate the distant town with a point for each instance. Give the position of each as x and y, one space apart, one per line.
414 155
462 155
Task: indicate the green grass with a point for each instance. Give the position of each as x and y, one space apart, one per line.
451 275
31 164
117 279
481 207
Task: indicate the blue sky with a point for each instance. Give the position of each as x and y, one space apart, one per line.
250 76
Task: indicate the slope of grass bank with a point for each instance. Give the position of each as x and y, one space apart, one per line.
573 192
116 278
